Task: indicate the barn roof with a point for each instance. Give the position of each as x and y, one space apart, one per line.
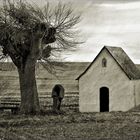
125 63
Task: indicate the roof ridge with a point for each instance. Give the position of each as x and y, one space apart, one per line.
111 47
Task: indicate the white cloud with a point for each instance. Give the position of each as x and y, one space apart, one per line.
121 6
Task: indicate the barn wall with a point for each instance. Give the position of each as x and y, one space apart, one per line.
121 97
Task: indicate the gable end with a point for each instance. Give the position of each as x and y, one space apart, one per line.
122 59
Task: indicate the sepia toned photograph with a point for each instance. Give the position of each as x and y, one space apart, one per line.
69 70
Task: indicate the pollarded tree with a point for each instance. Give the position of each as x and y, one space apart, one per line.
26 33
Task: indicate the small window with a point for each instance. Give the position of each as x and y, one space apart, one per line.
104 62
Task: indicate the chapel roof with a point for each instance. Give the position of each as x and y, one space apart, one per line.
123 60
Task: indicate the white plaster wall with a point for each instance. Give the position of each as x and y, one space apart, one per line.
121 97
137 92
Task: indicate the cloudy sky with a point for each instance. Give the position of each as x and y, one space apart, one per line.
106 22
109 22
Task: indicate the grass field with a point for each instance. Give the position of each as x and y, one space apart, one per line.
71 125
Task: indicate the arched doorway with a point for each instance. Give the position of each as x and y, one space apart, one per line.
104 99
57 95
58 90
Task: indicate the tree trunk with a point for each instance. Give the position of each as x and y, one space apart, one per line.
28 88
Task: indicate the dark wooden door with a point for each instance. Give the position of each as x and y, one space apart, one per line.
104 99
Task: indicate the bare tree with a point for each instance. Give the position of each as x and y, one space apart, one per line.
26 34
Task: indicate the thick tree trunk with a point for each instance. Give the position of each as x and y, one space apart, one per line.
28 88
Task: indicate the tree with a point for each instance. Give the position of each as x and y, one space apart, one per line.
26 34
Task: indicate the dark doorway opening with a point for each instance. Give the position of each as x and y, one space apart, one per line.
104 99
57 95
58 91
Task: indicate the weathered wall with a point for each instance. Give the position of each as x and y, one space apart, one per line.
121 97
137 92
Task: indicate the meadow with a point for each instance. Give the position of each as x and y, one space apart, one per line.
71 125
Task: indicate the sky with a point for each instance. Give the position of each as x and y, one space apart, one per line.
112 23
105 22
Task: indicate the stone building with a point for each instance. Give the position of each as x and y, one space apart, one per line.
110 83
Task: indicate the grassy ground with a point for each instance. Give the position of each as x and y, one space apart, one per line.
71 125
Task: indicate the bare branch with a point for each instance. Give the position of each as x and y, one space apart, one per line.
21 22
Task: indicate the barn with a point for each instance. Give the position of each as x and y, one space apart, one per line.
110 83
